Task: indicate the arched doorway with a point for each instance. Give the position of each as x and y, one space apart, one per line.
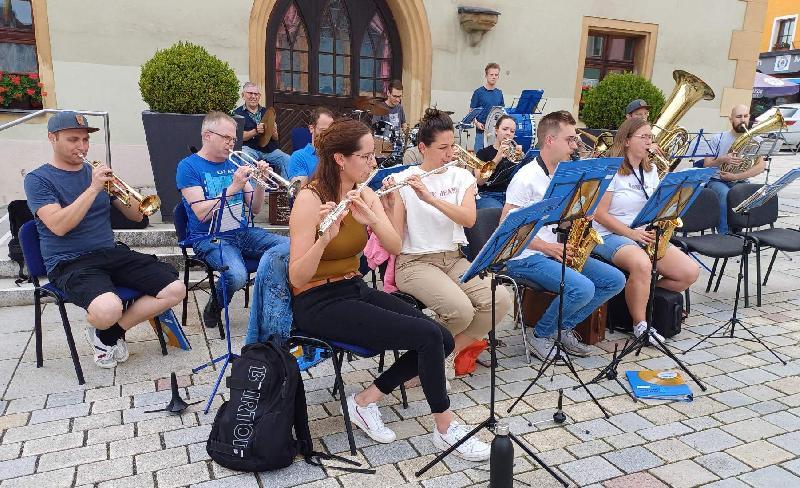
327 52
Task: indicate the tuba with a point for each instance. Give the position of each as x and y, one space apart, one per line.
670 137
600 144
147 204
746 146
582 238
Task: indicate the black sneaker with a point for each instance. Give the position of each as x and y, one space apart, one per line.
211 314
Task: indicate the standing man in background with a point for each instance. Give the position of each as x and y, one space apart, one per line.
486 97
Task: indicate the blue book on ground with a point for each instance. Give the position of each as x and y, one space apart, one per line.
659 385
172 330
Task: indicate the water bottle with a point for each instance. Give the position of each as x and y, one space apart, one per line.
501 460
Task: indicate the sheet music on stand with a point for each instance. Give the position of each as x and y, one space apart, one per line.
594 175
673 196
766 192
466 122
232 215
700 146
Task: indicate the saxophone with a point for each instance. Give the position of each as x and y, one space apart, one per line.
667 230
582 238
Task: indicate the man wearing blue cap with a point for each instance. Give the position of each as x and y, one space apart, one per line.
72 211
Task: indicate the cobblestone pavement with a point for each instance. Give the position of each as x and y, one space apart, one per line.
743 431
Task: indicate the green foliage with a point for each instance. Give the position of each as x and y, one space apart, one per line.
604 105
186 79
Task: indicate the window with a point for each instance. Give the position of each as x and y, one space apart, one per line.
19 83
334 49
785 33
291 53
607 53
375 59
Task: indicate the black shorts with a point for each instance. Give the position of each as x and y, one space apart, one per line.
87 277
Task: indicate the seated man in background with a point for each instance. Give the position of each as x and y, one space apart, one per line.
253 114
304 161
72 210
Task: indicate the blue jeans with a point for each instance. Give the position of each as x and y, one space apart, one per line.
277 159
721 188
478 140
271 304
491 199
583 292
236 246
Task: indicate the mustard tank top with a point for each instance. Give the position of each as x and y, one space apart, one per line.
341 256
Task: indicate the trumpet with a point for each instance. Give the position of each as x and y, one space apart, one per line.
512 150
469 160
339 209
270 181
397 186
147 204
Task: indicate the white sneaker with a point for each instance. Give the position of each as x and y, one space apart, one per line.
639 329
542 347
121 351
472 450
369 420
104 356
571 342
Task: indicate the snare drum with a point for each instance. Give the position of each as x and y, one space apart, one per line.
385 136
526 127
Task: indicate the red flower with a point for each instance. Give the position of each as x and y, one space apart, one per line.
33 76
18 95
3 89
30 91
40 84
14 79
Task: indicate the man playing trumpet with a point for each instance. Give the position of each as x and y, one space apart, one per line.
201 178
72 211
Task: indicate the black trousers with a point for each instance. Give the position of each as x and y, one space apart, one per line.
352 312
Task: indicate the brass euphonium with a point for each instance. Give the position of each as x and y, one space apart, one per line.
582 239
600 144
147 204
670 137
745 146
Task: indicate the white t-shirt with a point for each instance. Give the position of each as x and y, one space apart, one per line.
526 188
627 197
427 229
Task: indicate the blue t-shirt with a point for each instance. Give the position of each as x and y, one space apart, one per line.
486 99
303 162
251 120
48 184
194 170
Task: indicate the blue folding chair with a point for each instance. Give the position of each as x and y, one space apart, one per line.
301 137
181 221
29 239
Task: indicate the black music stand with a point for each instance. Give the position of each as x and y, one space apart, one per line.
579 185
224 220
757 199
673 197
508 240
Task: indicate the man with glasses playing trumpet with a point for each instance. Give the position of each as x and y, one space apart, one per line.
202 177
71 201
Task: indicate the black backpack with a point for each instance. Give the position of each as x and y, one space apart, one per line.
253 430
18 214
667 313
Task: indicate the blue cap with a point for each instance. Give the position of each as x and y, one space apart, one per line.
636 105
68 120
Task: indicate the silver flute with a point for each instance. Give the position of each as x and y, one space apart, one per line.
397 186
340 207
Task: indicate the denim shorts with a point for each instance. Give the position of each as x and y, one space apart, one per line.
611 244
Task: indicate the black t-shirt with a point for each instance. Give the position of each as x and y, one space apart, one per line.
502 173
250 121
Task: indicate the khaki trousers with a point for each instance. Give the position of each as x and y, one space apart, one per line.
463 308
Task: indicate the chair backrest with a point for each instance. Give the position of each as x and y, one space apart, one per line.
485 224
703 214
29 238
764 215
300 138
180 220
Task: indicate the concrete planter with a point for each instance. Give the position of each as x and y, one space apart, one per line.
169 140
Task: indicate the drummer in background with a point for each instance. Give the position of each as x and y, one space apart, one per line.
394 97
253 114
486 97
304 161
492 190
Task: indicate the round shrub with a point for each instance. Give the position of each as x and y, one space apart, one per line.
604 105
185 79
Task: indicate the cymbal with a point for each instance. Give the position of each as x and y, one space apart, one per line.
269 127
373 105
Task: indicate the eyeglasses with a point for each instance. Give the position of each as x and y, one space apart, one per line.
572 139
253 94
227 139
645 137
365 157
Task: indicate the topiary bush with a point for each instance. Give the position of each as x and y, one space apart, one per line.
186 79
604 105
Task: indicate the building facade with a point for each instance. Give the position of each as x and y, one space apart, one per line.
305 53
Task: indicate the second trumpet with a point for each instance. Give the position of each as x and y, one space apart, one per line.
270 181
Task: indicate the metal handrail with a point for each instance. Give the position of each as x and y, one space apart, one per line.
43 111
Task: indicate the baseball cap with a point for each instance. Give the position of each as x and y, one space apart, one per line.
68 120
636 105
